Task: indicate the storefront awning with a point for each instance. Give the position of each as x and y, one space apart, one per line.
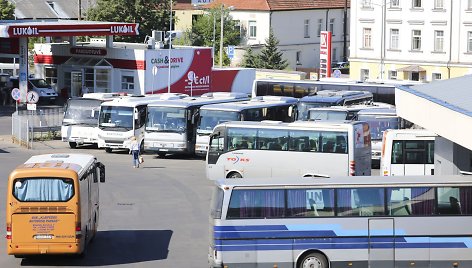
412 68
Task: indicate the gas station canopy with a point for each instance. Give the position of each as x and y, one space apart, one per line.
17 29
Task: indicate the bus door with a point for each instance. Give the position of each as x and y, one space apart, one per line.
215 149
381 243
412 157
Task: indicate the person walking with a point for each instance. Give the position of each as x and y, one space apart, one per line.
134 151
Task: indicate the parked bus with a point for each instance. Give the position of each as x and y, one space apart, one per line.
171 125
80 122
123 118
276 149
257 109
327 98
407 152
383 91
53 204
375 222
342 112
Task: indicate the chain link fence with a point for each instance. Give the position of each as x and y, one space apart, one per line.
41 124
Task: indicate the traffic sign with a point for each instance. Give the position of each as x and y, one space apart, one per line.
337 73
16 94
32 97
230 52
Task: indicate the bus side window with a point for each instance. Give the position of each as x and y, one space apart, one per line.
397 152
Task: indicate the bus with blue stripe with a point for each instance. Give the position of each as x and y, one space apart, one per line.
368 221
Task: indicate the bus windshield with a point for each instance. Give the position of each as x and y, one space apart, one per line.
209 119
80 112
43 189
327 115
166 119
116 117
378 124
303 107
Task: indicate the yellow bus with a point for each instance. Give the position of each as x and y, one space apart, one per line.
53 204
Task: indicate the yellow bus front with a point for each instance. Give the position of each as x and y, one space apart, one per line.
43 213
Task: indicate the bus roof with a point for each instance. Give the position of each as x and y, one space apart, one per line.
102 96
257 102
411 133
299 124
330 96
378 111
133 101
207 98
76 162
389 181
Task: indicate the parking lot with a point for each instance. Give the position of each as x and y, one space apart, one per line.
154 216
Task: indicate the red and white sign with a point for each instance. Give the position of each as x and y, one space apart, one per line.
325 54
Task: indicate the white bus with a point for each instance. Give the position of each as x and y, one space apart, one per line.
80 122
256 109
123 118
375 222
301 148
343 112
407 152
171 125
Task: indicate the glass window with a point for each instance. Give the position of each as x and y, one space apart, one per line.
410 201
320 26
304 141
416 3
394 38
306 28
216 203
439 41
414 152
310 203
395 3
469 41
454 200
241 138
252 29
127 82
272 139
367 38
216 144
260 204
436 76
397 152
366 4
392 75
438 4
331 26
298 59
51 75
43 189
416 40
360 202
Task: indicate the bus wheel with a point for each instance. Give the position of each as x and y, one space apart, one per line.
141 147
234 175
108 150
73 145
161 154
313 260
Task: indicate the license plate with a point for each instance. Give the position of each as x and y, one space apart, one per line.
45 236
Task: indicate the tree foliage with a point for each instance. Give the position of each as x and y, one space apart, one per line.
150 14
206 31
269 58
7 10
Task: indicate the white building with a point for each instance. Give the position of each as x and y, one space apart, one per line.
296 25
416 40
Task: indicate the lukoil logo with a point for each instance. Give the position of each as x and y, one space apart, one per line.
25 31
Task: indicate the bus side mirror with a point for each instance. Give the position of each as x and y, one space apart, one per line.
135 114
101 167
93 113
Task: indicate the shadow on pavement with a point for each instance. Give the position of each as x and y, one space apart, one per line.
113 248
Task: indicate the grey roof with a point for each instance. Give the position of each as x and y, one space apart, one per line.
454 93
54 9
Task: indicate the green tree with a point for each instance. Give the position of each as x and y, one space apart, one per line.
7 10
150 14
209 25
250 60
271 57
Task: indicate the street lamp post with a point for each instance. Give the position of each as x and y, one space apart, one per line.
170 46
221 32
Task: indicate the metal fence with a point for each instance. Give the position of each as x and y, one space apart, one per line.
41 124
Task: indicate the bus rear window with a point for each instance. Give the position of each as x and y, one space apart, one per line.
43 189
217 203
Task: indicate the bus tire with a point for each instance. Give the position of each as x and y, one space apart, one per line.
108 150
234 175
141 147
161 154
73 145
313 259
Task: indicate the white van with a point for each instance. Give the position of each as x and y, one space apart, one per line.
407 152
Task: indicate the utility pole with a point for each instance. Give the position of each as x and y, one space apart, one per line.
79 13
221 36
345 32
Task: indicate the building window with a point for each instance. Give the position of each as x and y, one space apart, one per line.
127 82
438 4
299 58
394 38
416 40
436 76
50 75
395 3
367 33
331 26
366 4
307 28
469 41
416 3
438 41
320 26
364 74
469 4
392 75
252 29
334 55
237 27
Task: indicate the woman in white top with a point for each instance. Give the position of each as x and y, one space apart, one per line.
134 151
